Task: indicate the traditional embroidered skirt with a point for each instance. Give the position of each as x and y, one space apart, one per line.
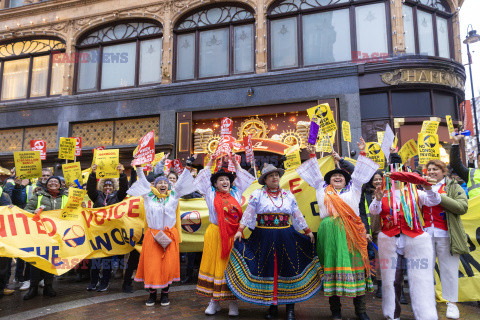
344 272
157 267
211 276
276 265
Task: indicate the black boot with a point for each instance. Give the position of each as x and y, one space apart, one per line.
378 294
127 286
291 311
152 299
362 316
32 293
164 301
272 312
48 291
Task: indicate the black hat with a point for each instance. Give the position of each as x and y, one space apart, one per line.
395 158
220 173
329 175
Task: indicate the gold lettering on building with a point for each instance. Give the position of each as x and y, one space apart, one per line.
424 76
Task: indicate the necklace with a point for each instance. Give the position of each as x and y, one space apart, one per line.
275 197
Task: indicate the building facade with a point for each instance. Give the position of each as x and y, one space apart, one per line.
110 71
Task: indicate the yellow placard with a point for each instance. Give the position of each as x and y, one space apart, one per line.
451 129
428 147
28 164
72 172
292 156
324 116
380 135
107 162
374 152
158 157
408 150
66 148
74 201
323 145
395 142
347 136
430 127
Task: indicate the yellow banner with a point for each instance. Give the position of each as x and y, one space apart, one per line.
374 152
66 148
292 156
451 129
57 245
428 147
72 172
323 113
74 201
27 164
347 136
408 150
107 162
430 127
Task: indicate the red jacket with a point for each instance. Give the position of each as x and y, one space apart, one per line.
390 228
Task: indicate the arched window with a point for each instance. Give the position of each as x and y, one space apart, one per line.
214 42
124 54
31 68
427 26
313 32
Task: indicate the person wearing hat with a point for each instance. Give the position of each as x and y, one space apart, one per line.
51 198
276 264
342 238
403 237
223 193
158 266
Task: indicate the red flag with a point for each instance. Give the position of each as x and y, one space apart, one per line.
146 149
39 145
226 127
78 146
247 143
226 145
168 165
177 166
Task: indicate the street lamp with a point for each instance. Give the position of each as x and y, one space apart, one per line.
472 37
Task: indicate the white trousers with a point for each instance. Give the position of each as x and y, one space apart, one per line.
418 253
448 265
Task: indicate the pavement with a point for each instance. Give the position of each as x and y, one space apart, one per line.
74 302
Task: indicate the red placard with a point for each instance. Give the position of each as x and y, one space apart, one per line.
167 166
147 167
99 148
226 145
247 143
39 145
226 126
78 146
177 166
231 166
146 149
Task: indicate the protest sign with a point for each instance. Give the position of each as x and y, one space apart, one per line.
78 146
107 162
146 149
226 127
408 150
27 164
451 129
428 147
39 145
74 202
430 127
66 148
347 136
292 156
72 172
374 152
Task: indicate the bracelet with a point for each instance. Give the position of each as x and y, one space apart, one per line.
363 153
313 155
307 231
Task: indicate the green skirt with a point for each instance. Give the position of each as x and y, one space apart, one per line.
344 273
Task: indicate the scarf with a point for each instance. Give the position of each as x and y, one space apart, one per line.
354 227
229 214
178 223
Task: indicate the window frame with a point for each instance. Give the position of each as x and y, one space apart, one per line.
353 29
101 45
231 44
31 56
434 12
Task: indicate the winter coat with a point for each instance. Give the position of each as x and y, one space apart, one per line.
97 196
47 200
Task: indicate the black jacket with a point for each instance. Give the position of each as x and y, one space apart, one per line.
98 197
456 163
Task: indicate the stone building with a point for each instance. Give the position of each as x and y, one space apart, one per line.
111 70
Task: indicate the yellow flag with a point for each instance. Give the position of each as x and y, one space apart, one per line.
408 150
451 129
347 136
323 113
107 162
72 172
374 152
292 155
74 201
428 147
157 158
28 164
66 148
430 127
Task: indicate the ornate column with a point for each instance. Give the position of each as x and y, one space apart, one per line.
398 30
261 35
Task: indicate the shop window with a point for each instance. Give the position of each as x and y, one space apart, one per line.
26 68
370 129
314 32
411 104
122 55
431 36
19 139
374 105
215 41
444 104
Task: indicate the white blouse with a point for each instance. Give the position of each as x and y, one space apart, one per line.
161 212
351 194
261 203
204 186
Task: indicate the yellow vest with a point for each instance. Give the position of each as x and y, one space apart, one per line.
473 183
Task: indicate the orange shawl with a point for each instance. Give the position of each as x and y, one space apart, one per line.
354 227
